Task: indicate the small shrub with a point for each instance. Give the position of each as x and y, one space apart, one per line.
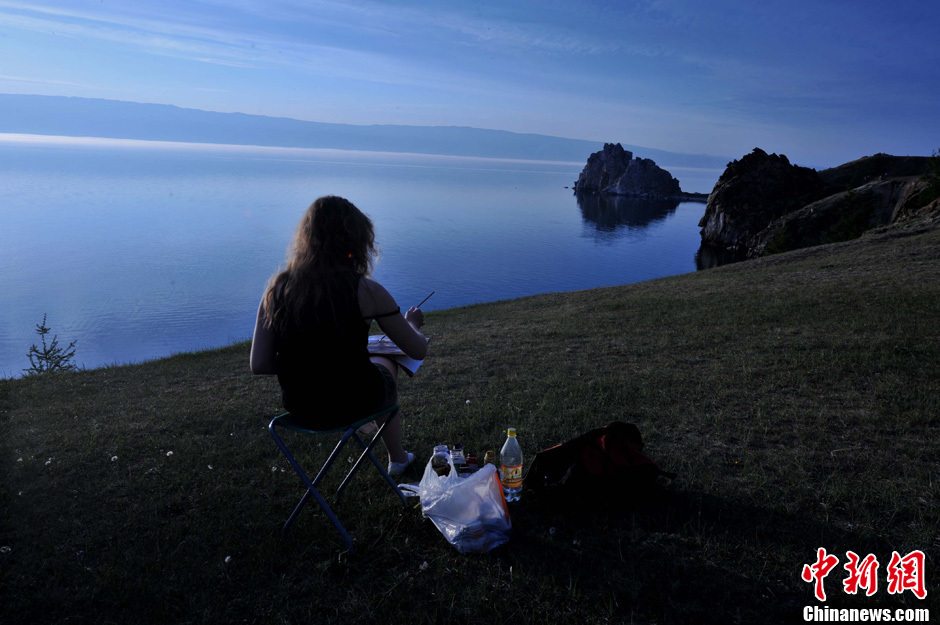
781 241
51 357
855 214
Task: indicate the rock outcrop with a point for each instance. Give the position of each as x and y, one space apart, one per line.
614 171
763 205
838 217
753 192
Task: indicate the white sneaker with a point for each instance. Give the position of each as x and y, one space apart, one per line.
397 468
368 428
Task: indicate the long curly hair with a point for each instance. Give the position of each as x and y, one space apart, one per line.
333 242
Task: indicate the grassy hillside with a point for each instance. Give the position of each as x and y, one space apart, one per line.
796 396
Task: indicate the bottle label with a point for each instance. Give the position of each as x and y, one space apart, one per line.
511 476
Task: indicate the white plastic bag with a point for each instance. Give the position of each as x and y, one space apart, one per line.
469 511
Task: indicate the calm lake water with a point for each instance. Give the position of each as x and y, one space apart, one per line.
139 250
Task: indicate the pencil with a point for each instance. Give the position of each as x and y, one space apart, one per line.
426 299
418 306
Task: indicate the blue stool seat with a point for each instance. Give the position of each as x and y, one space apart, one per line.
289 422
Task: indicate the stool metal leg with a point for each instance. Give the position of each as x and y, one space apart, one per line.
367 453
350 432
311 489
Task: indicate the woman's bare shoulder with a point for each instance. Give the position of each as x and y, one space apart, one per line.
374 299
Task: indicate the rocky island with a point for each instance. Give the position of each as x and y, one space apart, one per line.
614 171
763 204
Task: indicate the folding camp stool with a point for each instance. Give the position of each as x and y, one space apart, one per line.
289 422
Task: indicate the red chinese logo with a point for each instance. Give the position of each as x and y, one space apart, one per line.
907 573
818 571
861 575
904 573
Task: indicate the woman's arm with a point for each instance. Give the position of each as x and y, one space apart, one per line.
263 350
402 329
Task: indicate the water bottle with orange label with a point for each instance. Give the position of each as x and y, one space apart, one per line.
510 460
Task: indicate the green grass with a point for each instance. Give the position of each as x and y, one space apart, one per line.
796 396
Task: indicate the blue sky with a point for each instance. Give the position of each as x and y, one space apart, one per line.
823 82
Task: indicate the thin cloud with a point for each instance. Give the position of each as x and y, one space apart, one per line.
239 50
233 49
41 81
227 63
165 38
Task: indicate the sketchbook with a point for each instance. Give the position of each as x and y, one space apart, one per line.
379 346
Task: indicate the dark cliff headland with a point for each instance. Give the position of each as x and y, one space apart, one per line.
762 204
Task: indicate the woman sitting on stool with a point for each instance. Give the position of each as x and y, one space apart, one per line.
313 326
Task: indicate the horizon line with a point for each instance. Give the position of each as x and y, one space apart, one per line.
601 143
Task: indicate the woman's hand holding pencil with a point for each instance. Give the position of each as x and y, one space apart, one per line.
414 316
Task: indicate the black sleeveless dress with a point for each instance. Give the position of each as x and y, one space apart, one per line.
323 367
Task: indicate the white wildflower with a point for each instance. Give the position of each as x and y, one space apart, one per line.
169 453
273 469
424 565
468 401
113 458
228 559
210 466
48 462
5 549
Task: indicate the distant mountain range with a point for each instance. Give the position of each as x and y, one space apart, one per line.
85 117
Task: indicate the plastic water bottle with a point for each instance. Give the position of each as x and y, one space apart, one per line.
510 460
460 460
439 460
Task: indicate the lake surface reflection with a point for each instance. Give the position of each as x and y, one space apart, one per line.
613 212
139 250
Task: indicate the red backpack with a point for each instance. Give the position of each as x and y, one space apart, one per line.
604 465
